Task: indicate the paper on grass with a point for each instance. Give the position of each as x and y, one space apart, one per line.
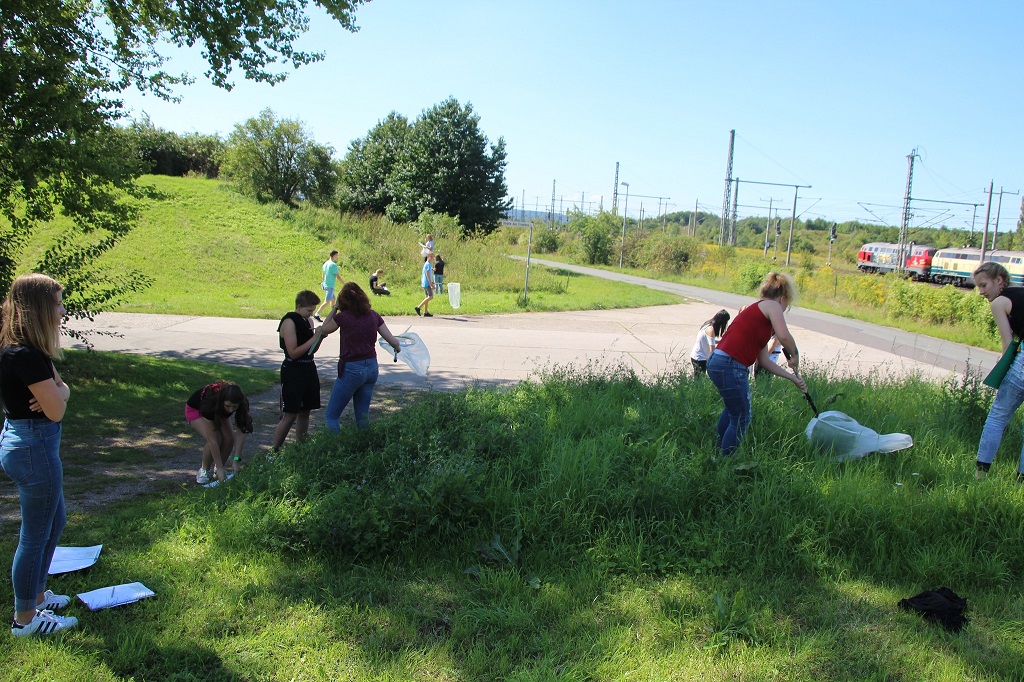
67 559
105 597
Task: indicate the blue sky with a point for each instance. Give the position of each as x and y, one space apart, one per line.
834 95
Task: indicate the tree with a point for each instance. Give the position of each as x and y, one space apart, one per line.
594 236
62 67
279 161
369 163
446 166
164 152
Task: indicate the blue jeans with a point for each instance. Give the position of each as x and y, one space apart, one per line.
1009 397
30 455
356 384
438 284
732 380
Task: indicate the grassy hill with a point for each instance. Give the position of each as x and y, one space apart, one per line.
211 251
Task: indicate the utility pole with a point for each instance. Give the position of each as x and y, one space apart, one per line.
988 212
693 220
522 208
792 223
831 240
768 225
732 221
999 208
905 221
551 213
622 247
726 200
615 192
778 231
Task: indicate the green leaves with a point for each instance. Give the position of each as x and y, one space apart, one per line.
62 67
278 160
441 162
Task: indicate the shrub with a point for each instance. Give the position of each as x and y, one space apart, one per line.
546 240
751 275
440 225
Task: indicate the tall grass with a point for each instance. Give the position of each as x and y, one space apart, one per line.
947 312
577 528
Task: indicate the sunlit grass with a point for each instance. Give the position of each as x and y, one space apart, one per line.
577 528
210 251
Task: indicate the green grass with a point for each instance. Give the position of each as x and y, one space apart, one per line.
123 405
210 251
112 392
575 529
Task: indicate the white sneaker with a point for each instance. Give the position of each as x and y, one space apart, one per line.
43 623
53 601
203 477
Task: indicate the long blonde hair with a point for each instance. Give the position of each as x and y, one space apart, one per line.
29 315
779 284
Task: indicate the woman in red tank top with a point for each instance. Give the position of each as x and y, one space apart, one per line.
744 342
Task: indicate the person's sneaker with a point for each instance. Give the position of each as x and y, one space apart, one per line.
428 314
317 317
418 310
53 601
203 477
43 623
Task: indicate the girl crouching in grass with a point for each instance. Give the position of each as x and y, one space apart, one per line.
209 410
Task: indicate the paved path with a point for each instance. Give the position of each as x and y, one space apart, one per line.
495 349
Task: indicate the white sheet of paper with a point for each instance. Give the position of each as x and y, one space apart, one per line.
67 559
117 595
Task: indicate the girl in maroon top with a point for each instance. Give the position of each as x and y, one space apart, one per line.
357 364
744 342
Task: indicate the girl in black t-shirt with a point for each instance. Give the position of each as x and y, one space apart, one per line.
300 384
35 399
1007 304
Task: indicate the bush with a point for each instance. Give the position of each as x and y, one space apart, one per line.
440 225
593 242
546 241
751 275
402 483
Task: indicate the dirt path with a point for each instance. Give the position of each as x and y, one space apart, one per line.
141 462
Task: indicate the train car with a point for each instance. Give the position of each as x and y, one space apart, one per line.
1013 261
878 257
919 262
955 266
882 257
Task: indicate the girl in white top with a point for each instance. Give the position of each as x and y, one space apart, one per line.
707 339
427 248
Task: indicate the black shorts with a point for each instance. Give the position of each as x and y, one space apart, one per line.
300 387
